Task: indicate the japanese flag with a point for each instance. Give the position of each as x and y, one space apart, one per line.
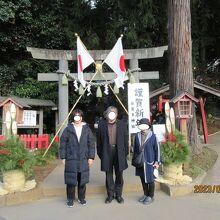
83 60
115 60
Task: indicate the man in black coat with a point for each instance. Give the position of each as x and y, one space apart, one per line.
112 149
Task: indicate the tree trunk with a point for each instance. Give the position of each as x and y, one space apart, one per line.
180 59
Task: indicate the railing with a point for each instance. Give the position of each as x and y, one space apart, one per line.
2 137
33 141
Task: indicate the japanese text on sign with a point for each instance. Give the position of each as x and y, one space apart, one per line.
138 104
29 118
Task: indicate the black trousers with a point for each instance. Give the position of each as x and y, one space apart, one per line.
148 188
70 190
114 187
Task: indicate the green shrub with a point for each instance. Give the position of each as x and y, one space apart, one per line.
52 154
174 149
14 155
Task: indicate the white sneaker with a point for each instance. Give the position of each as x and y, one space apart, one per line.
148 200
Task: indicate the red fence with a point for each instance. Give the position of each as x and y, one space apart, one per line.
33 141
2 138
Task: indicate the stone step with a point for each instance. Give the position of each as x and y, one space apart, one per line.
92 190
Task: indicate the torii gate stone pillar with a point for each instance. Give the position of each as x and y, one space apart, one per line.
63 94
133 55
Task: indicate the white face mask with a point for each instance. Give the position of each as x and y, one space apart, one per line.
77 118
111 115
143 127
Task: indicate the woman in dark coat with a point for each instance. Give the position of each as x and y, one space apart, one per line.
112 149
77 150
146 141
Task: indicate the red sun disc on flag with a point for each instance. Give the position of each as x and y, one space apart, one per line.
122 63
80 63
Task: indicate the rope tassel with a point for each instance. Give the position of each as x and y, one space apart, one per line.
132 78
64 80
116 89
81 90
99 92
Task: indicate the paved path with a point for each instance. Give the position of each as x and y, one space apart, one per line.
54 183
194 206
213 177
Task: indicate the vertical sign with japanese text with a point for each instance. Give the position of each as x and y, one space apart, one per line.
138 104
29 118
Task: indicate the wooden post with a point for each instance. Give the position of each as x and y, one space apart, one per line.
183 128
41 123
204 124
160 103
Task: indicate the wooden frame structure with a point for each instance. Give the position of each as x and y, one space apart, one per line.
21 105
197 85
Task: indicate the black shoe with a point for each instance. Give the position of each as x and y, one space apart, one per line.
119 199
108 199
82 201
69 203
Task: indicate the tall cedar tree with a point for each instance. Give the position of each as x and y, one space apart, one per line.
180 59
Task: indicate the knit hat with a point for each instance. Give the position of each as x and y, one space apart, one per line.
144 121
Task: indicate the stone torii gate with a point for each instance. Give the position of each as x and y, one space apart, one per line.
63 56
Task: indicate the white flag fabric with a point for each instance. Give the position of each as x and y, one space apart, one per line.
84 59
115 60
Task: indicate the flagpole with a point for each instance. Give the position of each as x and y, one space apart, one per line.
112 88
77 36
118 99
68 115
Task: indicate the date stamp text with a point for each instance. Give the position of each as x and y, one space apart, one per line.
206 188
